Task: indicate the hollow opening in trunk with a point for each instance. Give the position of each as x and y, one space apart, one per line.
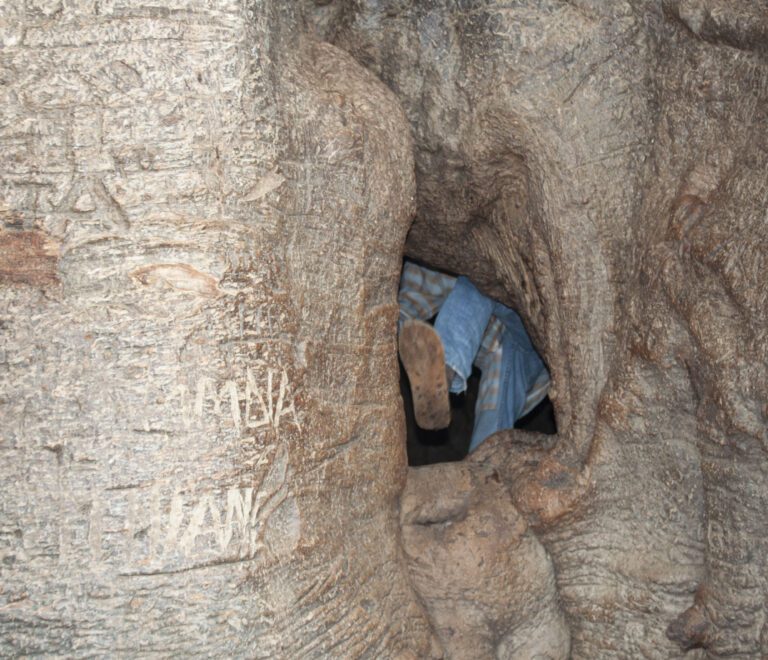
453 442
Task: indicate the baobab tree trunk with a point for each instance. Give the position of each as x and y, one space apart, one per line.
201 435
204 209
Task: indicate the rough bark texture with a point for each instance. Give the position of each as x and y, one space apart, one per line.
484 577
204 208
201 435
601 166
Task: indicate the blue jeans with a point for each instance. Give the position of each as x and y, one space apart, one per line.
461 324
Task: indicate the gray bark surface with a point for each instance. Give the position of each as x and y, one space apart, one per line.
201 453
204 208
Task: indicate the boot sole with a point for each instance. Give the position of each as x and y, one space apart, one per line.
424 360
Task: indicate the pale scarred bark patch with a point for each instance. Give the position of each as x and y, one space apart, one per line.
179 277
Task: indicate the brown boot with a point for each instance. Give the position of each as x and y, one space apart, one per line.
424 360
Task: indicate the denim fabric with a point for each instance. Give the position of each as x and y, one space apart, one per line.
477 330
520 367
461 324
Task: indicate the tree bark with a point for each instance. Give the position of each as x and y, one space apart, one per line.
601 168
204 209
203 221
